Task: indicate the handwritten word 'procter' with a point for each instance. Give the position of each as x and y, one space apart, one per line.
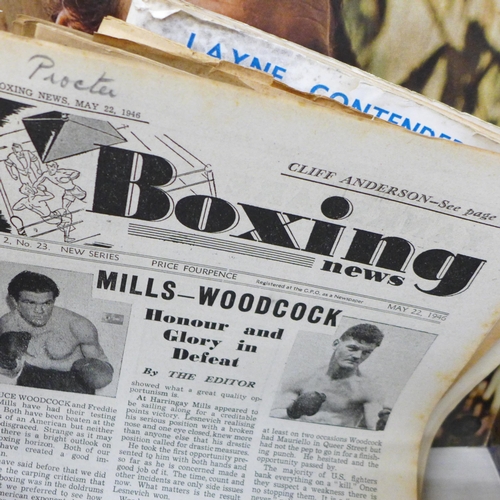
43 70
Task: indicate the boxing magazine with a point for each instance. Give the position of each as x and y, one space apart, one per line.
222 241
226 39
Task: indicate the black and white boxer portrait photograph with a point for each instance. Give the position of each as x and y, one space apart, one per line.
351 379
54 336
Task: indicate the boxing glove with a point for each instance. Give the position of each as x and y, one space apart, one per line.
93 372
13 345
383 417
307 404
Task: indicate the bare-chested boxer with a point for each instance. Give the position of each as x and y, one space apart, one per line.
48 346
340 394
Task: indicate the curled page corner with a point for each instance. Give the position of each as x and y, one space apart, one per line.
162 13
156 12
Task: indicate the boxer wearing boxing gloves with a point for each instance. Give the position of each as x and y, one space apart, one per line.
48 346
340 394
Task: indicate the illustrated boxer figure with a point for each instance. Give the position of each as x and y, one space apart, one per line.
340 394
48 346
36 202
23 166
63 178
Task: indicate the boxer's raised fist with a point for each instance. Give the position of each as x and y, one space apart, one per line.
307 404
93 372
13 345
